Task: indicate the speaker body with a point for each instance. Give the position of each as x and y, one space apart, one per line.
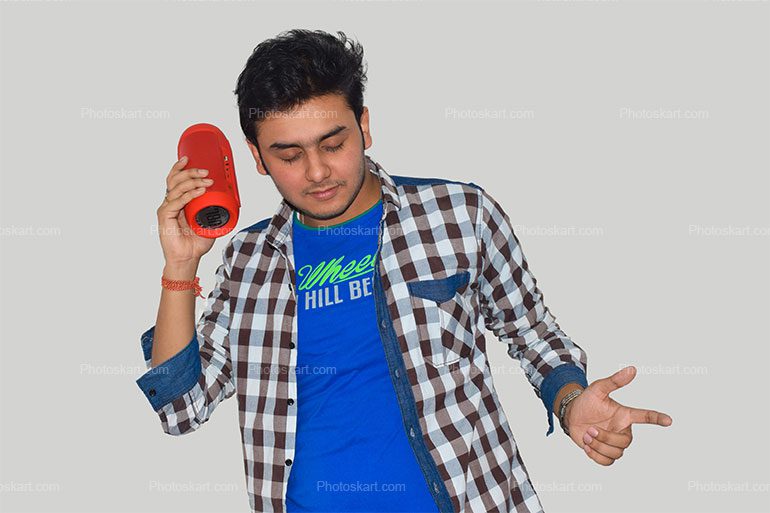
215 212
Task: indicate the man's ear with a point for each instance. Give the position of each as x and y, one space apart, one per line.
364 126
257 158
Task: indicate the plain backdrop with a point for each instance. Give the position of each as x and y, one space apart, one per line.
627 140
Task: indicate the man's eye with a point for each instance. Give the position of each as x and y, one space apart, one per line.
332 149
289 161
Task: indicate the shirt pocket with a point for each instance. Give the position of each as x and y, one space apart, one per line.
443 318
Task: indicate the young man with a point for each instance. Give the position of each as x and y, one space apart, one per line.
348 323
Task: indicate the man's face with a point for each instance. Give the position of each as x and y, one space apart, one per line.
315 147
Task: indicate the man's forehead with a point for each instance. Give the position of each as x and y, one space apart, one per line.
306 124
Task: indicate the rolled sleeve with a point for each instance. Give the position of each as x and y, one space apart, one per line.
554 381
172 378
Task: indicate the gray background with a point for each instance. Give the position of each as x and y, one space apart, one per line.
649 237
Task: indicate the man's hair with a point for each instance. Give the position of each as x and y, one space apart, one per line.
295 66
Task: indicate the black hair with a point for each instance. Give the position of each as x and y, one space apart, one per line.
294 67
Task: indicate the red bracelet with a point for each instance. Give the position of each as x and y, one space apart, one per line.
182 285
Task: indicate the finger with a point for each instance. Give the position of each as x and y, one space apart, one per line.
620 440
176 168
188 185
184 175
179 164
611 383
640 416
597 457
171 206
602 448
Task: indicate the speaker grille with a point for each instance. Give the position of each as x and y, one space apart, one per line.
212 217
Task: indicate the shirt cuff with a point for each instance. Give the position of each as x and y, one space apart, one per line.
146 339
172 378
557 378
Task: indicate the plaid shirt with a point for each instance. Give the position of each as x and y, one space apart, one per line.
448 265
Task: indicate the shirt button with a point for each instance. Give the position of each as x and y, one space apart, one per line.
435 487
152 392
290 401
397 373
411 432
288 462
384 324
291 345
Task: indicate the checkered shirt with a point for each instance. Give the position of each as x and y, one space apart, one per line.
448 267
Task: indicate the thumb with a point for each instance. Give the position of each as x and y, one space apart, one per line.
183 224
182 219
621 378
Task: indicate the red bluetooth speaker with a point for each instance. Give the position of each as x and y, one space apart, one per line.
215 212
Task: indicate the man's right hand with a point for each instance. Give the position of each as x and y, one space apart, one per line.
182 247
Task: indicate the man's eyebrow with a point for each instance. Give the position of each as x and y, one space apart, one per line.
334 131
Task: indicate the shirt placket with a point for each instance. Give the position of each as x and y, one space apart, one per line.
402 387
291 417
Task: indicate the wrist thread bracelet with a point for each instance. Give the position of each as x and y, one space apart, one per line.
182 285
563 407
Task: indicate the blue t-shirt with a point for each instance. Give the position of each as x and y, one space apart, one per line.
352 453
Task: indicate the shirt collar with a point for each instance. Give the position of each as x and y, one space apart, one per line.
279 227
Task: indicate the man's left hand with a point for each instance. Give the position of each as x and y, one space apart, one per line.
602 426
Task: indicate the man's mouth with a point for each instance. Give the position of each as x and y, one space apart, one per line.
325 193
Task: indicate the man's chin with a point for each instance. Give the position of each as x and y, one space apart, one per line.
325 215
